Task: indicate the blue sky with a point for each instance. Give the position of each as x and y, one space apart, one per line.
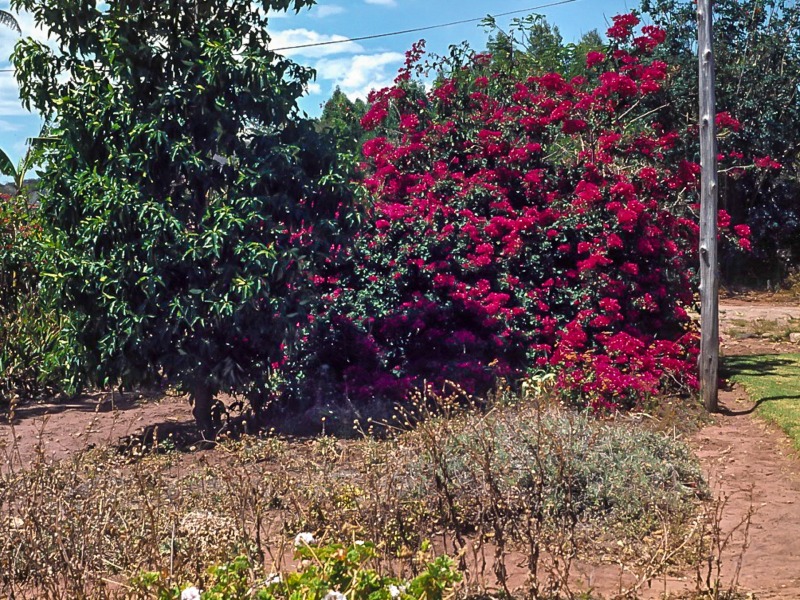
355 67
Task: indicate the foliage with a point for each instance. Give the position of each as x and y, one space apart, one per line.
520 222
757 77
602 472
519 477
10 21
341 118
535 483
330 571
32 157
532 46
31 360
187 201
344 569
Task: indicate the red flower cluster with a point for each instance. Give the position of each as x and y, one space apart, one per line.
527 223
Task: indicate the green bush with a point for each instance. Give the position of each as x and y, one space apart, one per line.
329 572
31 359
188 200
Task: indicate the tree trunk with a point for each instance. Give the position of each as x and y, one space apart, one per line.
202 398
709 267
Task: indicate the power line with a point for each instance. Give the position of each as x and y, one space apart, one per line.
426 28
405 31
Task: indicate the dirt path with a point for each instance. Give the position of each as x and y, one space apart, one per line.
753 464
740 453
741 322
60 430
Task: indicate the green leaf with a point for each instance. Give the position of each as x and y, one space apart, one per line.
6 166
7 19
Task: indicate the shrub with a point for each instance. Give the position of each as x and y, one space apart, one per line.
330 572
31 361
604 472
520 223
487 489
517 481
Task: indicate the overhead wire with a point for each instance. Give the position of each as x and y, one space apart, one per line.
424 28
407 31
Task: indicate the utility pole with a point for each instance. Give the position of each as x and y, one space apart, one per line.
709 269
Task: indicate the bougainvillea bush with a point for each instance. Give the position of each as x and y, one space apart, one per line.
521 224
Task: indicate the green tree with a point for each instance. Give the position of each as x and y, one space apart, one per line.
32 158
532 46
187 201
341 118
758 79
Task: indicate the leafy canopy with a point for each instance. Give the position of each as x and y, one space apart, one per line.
757 82
187 199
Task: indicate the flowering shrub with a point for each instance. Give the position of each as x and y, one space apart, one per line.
523 223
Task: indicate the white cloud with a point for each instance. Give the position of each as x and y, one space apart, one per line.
326 10
10 105
358 75
301 37
382 2
276 14
313 88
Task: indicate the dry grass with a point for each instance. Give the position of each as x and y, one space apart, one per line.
777 330
519 494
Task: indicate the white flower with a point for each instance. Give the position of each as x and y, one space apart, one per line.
273 579
304 539
190 593
334 595
359 542
396 590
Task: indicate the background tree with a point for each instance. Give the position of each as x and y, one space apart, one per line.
27 329
758 74
31 361
187 202
341 118
533 46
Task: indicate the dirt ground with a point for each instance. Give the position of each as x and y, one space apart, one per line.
59 430
748 461
753 463
735 313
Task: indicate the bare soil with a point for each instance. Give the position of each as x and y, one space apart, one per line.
736 338
748 461
754 465
58 430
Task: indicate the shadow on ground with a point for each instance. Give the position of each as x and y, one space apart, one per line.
757 366
101 402
754 365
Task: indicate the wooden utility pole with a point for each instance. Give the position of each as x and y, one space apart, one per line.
709 270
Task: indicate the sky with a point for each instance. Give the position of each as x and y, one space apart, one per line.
356 67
